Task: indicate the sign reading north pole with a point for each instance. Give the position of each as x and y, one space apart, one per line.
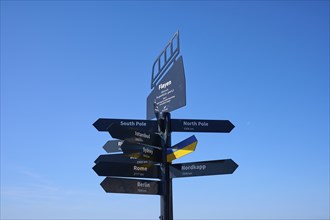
199 125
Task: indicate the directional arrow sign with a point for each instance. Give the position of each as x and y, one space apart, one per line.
135 186
113 146
102 124
127 170
198 125
142 151
170 93
181 149
205 168
134 135
120 158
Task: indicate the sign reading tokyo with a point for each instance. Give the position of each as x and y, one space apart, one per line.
170 93
142 151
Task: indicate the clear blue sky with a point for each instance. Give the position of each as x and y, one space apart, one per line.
262 65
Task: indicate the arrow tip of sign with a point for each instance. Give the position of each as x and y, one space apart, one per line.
95 124
232 126
235 165
100 124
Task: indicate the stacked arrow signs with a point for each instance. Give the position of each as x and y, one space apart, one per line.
124 161
140 154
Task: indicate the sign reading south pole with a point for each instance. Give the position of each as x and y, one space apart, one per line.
102 124
170 93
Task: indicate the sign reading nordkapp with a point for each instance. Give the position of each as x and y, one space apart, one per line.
205 168
170 93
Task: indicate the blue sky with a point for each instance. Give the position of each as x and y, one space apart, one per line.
262 65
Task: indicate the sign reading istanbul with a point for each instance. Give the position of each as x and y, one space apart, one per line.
170 93
134 135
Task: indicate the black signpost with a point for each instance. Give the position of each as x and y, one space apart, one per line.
145 145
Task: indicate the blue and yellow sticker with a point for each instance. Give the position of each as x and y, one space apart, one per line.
181 149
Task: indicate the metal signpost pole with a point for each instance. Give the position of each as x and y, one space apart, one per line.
166 199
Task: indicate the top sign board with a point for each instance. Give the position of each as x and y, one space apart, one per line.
170 93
